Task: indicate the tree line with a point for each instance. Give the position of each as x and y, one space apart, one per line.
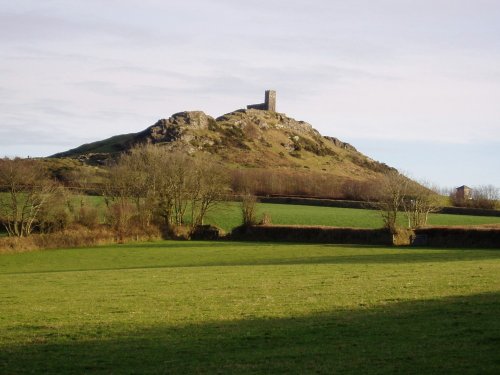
150 186
153 188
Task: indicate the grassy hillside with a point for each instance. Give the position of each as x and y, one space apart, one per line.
249 140
110 145
201 307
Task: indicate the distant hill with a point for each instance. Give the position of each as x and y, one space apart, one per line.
108 146
246 139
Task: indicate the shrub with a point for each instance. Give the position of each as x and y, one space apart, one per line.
177 232
88 217
55 219
76 236
249 209
119 218
362 190
266 219
206 233
263 182
402 236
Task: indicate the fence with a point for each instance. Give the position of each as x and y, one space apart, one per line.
313 234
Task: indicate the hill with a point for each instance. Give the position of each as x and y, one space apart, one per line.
255 144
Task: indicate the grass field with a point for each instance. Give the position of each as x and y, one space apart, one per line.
242 308
228 216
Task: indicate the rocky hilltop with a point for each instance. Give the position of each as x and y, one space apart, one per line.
246 138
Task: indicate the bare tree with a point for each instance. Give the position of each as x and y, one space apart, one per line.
136 183
164 184
184 183
485 196
209 188
400 194
393 191
420 200
146 165
249 209
28 192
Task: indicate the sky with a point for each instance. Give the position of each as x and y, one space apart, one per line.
411 83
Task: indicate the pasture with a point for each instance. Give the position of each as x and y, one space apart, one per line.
222 307
228 216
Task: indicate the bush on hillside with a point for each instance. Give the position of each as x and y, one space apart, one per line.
263 182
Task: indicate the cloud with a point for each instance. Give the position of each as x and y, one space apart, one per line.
6 92
392 69
33 27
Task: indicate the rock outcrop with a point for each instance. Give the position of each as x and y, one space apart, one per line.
339 143
243 138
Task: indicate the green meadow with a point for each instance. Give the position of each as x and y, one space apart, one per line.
242 308
228 216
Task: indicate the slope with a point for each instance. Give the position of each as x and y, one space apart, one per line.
243 139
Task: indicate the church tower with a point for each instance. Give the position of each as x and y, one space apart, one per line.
270 100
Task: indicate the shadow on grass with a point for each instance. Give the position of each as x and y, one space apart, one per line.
451 335
168 244
193 244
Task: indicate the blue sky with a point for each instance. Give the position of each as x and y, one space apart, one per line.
414 84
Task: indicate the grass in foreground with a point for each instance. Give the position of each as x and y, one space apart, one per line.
205 307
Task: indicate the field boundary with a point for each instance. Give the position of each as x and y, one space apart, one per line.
458 237
427 237
323 202
312 234
468 211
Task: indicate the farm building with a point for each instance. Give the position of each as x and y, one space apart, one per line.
463 193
